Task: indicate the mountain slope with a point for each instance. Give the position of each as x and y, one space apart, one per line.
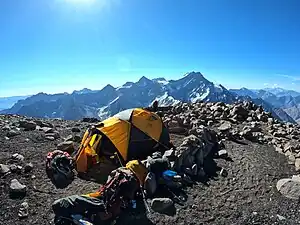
8 102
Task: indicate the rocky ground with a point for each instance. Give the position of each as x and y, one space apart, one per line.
240 189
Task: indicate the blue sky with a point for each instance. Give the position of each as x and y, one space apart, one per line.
62 45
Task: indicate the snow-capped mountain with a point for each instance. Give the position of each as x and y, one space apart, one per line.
192 87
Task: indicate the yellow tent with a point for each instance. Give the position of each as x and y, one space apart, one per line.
130 134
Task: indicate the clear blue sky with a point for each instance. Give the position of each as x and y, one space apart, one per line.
62 45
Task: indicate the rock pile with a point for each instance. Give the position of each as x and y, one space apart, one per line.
242 121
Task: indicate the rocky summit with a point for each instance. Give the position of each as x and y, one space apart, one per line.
245 162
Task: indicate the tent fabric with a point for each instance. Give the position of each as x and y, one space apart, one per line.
147 122
118 132
128 135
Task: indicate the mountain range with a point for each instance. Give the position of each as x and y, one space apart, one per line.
8 102
287 100
192 87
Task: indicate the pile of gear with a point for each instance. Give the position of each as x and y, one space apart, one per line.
132 156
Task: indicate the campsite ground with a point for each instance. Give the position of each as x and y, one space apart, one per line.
247 195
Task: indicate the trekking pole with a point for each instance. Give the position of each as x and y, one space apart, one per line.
144 200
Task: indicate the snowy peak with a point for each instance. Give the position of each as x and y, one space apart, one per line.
144 81
193 74
83 91
161 80
108 88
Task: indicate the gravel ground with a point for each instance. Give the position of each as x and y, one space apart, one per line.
247 195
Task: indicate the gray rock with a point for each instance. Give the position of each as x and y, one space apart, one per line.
43 124
239 111
24 210
173 123
69 138
54 135
48 130
297 164
225 126
50 138
210 123
292 159
16 188
249 119
14 168
177 130
75 129
4 169
12 133
279 134
223 153
281 218
6 128
28 167
28 125
161 204
289 188
66 146
17 157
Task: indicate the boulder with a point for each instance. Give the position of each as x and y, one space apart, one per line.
225 126
15 169
289 188
173 124
210 123
90 120
52 135
50 138
27 125
75 129
43 124
223 153
239 111
161 204
297 164
17 189
48 130
4 169
17 157
69 138
28 167
12 133
6 128
67 146
279 134
23 211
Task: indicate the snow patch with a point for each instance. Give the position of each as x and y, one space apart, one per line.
124 86
163 82
196 96
113 101
166 100
103 113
